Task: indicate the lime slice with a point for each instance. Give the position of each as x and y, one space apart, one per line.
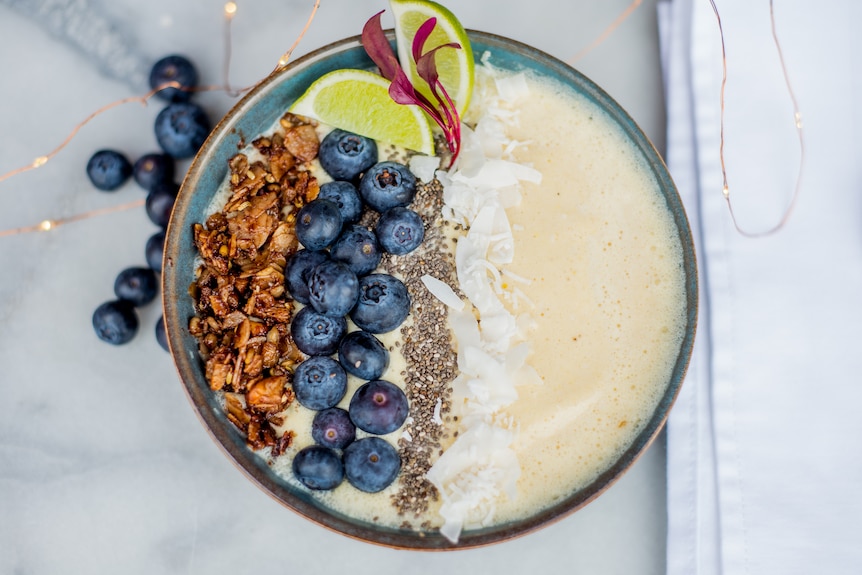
455 67
359 102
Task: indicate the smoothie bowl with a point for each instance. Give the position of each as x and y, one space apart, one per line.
547 293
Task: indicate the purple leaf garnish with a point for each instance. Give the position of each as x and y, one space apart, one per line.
421 37
377 46
402 91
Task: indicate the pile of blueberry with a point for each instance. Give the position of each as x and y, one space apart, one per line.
333 277
180 128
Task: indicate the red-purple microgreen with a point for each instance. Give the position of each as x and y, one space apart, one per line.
402 91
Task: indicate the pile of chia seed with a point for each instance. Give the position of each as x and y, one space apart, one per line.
427 348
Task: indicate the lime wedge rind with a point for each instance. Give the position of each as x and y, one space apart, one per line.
455 66
358 101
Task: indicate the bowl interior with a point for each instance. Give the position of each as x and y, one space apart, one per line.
256 112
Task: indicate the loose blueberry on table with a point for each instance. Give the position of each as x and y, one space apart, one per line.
108 170
180 128
160 203
153 169
137 285
115 321
174 69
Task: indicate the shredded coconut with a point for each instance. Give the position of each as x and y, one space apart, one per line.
480 466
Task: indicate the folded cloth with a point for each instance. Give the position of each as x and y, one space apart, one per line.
765 441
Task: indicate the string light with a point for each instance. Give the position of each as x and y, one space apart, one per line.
229 13
797 120
285 58
42 160
608 31
230 10
49 225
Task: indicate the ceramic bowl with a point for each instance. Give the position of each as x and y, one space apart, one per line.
258 110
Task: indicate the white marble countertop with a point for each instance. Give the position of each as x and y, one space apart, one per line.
104 467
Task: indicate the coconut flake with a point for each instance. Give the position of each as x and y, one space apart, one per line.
443 292
437 407
475 471
480 466
512 88
424 167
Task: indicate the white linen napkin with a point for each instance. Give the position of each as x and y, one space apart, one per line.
765 441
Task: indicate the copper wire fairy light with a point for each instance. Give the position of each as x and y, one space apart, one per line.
629 10
797 120
48 225
285 58
230 10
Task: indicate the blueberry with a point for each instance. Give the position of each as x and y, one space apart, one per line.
387 185
318 468
378 407
345 155
173 68
332 428
362 355
108 169
317 334
357 247
371 464
160 203
298 272
161 334
346 197
383 303
399 231
155 249
181 129
319 382
115 322
318 224
137 285
153 169
333 289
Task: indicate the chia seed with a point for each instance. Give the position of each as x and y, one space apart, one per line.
428 352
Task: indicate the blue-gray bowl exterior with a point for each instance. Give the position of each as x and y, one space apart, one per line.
257 112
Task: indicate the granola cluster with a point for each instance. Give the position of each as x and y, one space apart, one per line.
243 310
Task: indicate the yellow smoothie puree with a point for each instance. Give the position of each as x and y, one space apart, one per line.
604 263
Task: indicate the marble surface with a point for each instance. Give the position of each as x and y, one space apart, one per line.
103 465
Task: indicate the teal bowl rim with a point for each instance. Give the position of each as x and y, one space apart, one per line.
257 111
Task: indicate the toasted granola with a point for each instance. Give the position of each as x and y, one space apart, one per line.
243 310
